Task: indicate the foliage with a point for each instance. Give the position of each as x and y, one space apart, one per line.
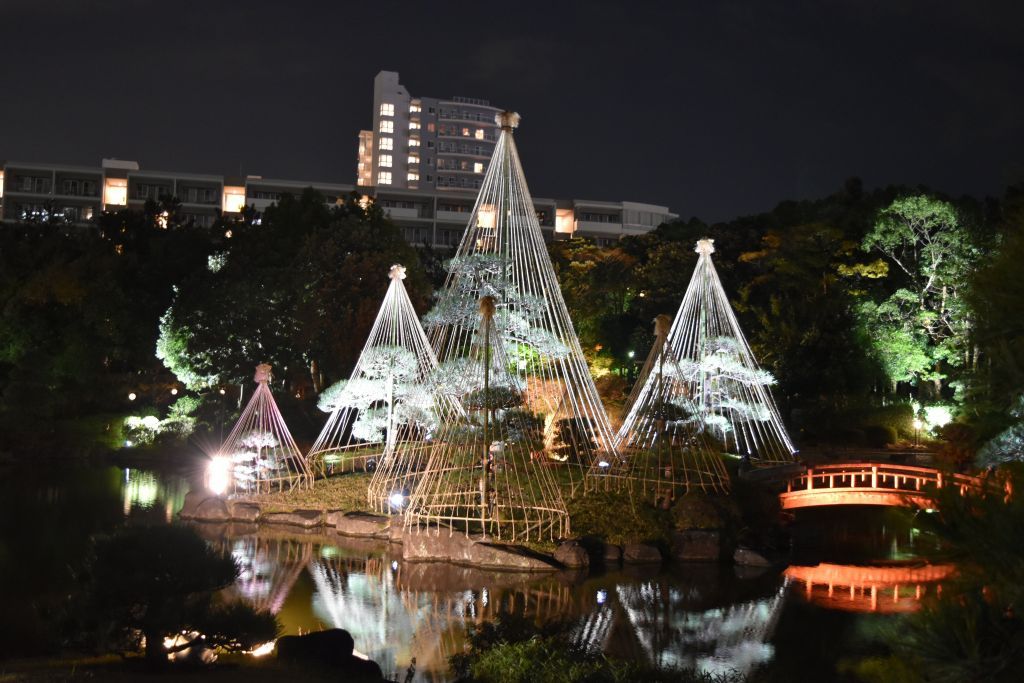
298 289
922 328
1007 445
974 629
879 436
617 518
514 650
160 581
698 511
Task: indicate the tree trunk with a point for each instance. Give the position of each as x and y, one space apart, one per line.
156 655
314 374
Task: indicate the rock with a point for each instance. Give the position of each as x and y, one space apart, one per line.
243 512
332 648
306 519
640 553
750 558
572 554
433 545
213 509
396 530
192 501
612 554
358 524
696 545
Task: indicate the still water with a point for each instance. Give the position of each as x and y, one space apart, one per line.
797 624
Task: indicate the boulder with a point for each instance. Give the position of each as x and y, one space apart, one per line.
640 553
430 545
306 519
331 648
243 512
358 524
213 509
572 554
750 558
696 545
192 501
612 554
396 530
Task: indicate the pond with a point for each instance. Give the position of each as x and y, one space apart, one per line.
797 623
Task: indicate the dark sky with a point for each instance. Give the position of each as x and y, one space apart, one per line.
717 109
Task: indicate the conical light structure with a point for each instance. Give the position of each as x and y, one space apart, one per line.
259 454
385 394
717 385
503 255
664 449
485 469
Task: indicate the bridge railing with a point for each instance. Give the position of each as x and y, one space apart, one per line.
876 476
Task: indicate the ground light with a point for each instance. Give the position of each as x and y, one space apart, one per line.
218 474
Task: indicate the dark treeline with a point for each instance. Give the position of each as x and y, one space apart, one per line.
870 308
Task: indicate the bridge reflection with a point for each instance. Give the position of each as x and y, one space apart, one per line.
882 589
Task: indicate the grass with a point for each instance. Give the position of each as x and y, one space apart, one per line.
343 492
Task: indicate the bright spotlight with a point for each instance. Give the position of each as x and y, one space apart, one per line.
132 396
602 595
397 500
218 474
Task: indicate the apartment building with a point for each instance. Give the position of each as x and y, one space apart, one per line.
425 143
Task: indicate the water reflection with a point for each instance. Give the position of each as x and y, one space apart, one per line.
700 618
147 490
858 588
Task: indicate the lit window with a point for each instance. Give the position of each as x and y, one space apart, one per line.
414 142
233 200
413 177
479 133
386 143
387 126
115 192
478 167
413 159
384 178
415 108
414 125
384 161
465 132
387 109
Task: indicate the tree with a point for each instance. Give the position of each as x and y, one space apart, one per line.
927 315
297 289
160 582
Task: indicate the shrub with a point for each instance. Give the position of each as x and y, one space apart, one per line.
697 511
879 436
617 518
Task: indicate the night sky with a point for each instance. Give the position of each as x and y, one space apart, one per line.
717 109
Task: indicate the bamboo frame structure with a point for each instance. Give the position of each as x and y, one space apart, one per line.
259 455
665 454
395 361
503 255
485 471
714 374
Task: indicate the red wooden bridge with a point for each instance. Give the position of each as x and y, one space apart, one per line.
867 483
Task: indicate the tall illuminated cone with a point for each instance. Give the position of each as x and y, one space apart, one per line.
503 255
259 454
665 450
715 383
384 395
485 470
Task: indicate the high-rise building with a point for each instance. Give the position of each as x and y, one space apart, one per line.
425 143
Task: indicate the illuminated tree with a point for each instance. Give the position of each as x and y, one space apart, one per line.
922 328
386 392
503 256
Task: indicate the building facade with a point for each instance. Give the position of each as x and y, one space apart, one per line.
425 143
422 162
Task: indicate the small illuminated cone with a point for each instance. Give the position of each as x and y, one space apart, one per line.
390 371
260 454
711 378
666 451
